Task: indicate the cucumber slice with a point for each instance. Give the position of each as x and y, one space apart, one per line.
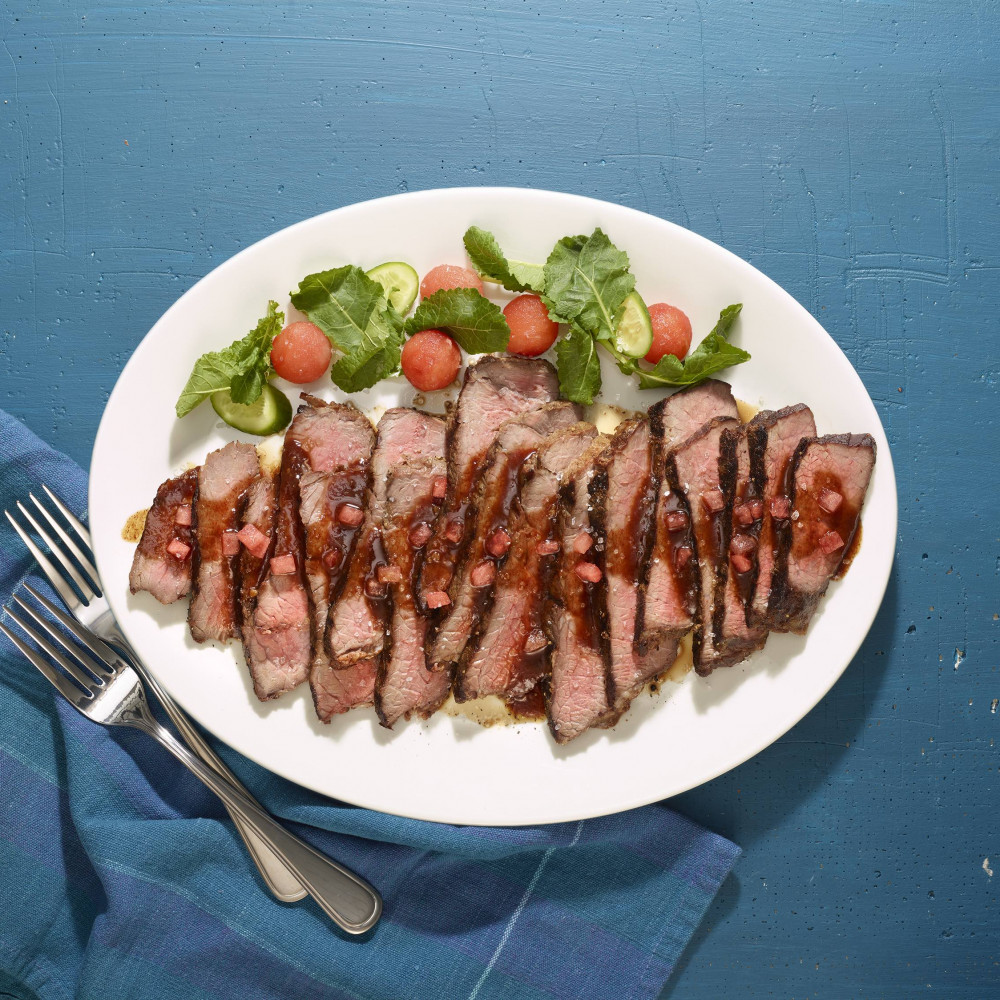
400 282
633 327
271 413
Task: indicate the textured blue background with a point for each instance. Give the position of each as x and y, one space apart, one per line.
849 150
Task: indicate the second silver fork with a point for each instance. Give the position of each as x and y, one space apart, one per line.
94 612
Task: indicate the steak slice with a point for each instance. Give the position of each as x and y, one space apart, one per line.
337 691
359 617
160 571
331 507
735 638
668 587
693 470
404 684
260 512
508 654
494 390
322 437
577 696
621 494
490 505
221 492
829 477
773 438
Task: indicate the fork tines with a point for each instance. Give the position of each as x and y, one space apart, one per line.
82 571
79 675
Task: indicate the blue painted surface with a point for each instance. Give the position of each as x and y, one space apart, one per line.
849 150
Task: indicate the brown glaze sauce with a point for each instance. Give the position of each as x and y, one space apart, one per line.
813 522
349 488
687 582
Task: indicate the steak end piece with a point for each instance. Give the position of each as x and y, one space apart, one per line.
223 482
158 569
830 477
494 390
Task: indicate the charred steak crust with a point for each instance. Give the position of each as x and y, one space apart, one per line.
494 389
219 497
576 697
491 509
508 654
838 464
155 569
772 437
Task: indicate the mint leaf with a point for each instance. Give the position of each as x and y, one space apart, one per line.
351 309
586 280
243 367
712 355
489 260
476 323
578 365
363 368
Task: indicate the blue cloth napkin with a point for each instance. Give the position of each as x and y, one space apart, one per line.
122 877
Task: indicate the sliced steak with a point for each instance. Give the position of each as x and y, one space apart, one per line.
490 529
162 562
743 512
508 654
668 586
258 524
404 684
694 475
621 494
829 477
577 696
221 492
331 507
494 390
337 691
322 437
773 438
356 627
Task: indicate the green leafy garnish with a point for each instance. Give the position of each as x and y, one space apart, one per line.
476 323
352 310
489 260
586 281
243 367
713 354
578 365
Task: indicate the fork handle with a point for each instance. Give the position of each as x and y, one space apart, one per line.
347 899
282 883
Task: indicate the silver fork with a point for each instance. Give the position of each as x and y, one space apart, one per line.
94 612
102 686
